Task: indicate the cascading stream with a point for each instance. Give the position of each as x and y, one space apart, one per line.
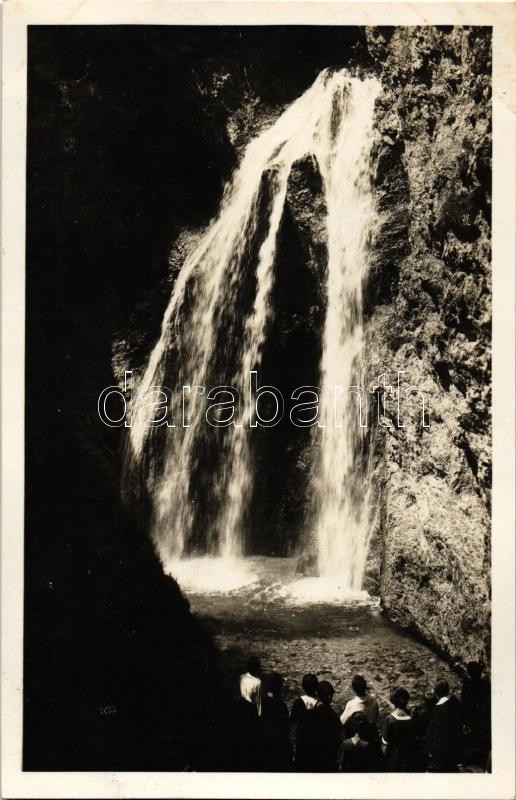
332 122
342 523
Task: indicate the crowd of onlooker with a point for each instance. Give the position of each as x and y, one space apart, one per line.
445 733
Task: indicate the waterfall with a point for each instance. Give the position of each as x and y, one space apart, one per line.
342 524
213 333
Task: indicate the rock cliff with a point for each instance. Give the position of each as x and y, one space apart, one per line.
429 315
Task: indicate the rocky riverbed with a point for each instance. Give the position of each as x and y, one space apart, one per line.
334 639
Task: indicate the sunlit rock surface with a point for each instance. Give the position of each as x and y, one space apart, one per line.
430 316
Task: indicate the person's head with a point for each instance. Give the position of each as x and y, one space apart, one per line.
309 684
275 684
359 685
429 700
325 691
358 725
474 670
400 698
442 689
253 666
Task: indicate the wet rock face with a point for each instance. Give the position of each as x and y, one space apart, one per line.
291 358
429 315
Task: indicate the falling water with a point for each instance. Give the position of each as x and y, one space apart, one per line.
342 523
203 338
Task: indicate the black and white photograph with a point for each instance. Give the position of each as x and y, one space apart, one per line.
256 468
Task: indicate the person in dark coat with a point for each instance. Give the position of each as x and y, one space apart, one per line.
444 735
422 717
364 702
276 752
248 740
356 753
251 683
327 730
476 708
301 720
402 753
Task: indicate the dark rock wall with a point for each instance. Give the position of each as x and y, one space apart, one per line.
104 685
291 357
429 314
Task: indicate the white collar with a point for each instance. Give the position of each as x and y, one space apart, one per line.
399 714
443 700
309 702
358 700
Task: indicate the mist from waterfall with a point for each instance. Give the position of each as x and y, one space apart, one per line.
213 335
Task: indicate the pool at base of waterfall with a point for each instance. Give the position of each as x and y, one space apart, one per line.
261 578
298 624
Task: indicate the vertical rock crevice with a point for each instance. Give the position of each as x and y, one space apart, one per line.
291 357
